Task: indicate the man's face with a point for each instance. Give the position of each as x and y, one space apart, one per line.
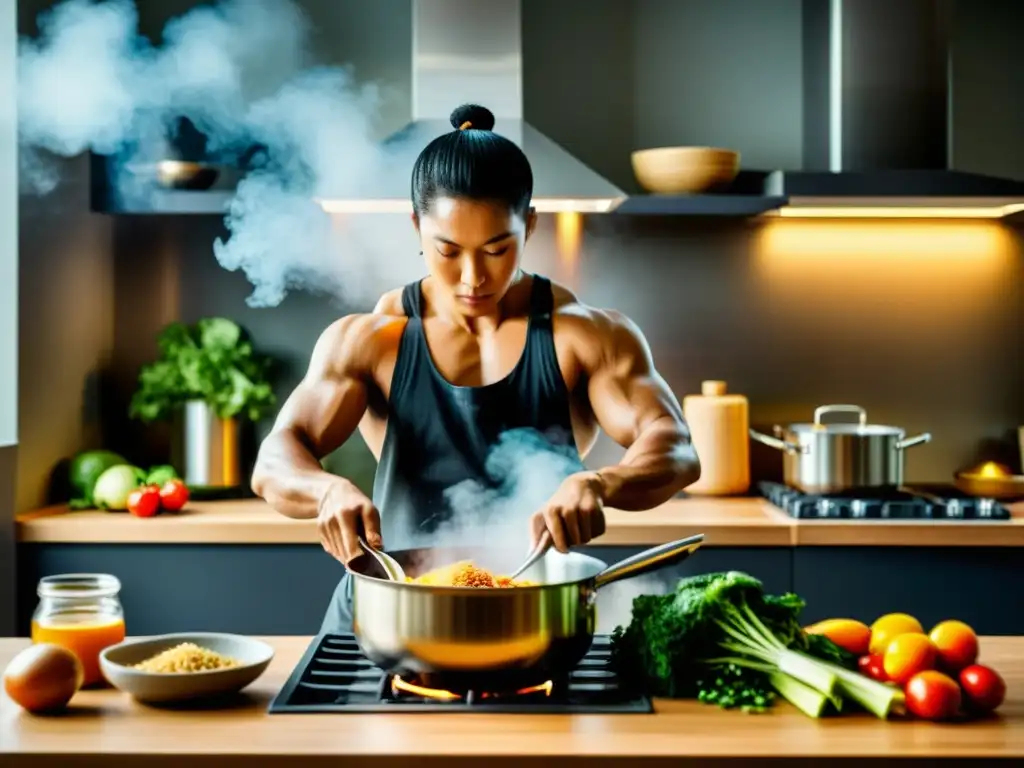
473 250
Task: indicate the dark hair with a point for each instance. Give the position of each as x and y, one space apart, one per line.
474 162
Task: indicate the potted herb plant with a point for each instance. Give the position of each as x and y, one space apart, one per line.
209 376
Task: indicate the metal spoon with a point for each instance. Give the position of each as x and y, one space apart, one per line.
391 566
543 545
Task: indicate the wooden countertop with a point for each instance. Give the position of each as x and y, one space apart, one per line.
725 522
107 728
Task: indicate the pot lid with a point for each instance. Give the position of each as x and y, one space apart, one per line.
879 430
860 427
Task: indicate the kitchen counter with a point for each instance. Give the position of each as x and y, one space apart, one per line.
106 728
725 522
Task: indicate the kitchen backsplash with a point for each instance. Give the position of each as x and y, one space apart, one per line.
920 323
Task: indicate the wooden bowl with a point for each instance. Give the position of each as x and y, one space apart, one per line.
1002 488
685 170
990 481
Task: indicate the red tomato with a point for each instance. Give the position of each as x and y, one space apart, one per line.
173 495
873 666
956 644
983 687
933 695
144 501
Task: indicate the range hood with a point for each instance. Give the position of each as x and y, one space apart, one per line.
877 118
470 51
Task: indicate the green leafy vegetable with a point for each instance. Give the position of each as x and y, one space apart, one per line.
720 639
211 361
161 474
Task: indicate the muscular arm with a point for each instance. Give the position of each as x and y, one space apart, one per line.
635 406
321 413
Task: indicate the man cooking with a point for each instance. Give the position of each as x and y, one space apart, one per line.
445 368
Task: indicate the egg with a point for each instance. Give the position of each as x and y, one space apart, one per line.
43 677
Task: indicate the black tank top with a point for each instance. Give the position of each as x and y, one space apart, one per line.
443 439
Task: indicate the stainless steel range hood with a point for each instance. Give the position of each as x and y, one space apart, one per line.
470 51
877 127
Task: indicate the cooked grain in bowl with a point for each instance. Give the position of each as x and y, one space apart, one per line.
185 658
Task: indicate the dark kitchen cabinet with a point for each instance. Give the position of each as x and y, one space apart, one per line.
279 589
273 589
981 586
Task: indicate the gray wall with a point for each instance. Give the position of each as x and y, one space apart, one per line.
792 314
988 83
652 73
8 310
65 319
726 73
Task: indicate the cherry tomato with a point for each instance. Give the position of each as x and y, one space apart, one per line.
956 643
173 495
907 655
983 687
144 501
873 666
933 695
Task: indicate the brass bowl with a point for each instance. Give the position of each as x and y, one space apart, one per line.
990 481
685 170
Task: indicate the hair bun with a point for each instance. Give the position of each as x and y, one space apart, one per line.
479 118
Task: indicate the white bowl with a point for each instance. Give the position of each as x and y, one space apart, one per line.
117 663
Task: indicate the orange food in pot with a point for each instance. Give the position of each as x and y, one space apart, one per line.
465 574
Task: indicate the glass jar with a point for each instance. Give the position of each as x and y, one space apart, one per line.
81 612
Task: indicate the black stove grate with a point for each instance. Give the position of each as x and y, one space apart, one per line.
946 504
335 676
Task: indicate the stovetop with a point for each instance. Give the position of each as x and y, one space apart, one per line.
944 503
335 677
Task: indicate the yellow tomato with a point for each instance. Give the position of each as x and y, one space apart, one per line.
891 626
908 654
849 634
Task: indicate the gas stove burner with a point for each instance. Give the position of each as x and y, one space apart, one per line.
927 503
400 687
335 676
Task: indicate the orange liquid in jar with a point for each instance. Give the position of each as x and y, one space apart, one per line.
85 634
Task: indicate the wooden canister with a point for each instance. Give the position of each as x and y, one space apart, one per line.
719 424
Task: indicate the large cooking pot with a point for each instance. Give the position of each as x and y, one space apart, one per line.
829 458
489 639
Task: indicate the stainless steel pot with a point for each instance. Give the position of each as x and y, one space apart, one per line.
483 639
828 458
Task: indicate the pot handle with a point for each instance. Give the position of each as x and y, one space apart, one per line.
910 442
774 442
650 560
820 411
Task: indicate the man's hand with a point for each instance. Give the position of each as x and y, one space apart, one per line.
574 514
345 513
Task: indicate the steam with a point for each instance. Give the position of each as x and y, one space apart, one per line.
525 469
240 71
